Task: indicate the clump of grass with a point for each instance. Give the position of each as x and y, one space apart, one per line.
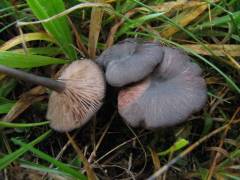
38 38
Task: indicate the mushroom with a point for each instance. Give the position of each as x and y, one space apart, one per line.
77 94
160 86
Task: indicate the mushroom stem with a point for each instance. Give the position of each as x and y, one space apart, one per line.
43 81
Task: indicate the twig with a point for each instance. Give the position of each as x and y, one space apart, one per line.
185 152
90 173
67 11
218 154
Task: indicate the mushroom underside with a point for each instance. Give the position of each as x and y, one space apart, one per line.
162 104
81 99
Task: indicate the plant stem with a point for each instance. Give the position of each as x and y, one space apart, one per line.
43 81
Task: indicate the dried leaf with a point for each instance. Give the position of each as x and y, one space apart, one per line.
156 161
25 38
95 28
228 50
26 100
218 49
87 166
114 29
182 20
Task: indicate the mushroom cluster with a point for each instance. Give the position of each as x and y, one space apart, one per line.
159 86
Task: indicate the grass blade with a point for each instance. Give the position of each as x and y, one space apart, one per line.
64 167
22 125
4 108
179 144
46 51
137 22
219 21
26 38
17 60
58 28
95 28
8 159
34 166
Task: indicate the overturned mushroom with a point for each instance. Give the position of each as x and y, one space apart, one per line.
77 94
160 85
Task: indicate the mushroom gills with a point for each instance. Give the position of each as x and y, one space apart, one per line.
165 103
81 99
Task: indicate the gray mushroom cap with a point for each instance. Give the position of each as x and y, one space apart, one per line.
160 85
122 61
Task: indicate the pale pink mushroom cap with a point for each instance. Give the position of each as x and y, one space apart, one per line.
80 100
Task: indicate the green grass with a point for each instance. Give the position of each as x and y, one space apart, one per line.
17 60
59 28
206 147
